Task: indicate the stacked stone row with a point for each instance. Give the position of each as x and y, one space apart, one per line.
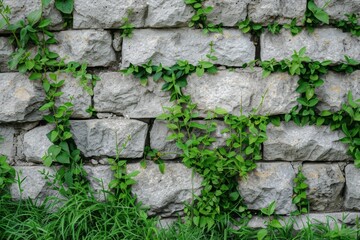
125 108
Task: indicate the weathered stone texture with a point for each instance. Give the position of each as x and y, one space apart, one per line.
99 177
166 193
269 182
20 98
282 11
233 90
323 44
326 182
5 51
75 93
227 12
335 90
33 183
7 146
22 8
108 13
125 95
338 8
100 137
352 191
166 46
90 46
164 13
290 142
36 143
169 150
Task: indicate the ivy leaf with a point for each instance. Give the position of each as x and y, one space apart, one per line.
35 76
65 6
34 17
262 234
322 16
220 111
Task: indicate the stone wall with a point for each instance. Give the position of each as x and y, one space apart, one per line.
125 108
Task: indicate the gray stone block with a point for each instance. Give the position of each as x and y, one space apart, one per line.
166 193
165 13
233 90
108 13
85 46
323 44
335 90
100 137
267 183
20 98
227 12
99 177
7 146
290 142
166 46
36 143
6 49
352 190
125 95
338 8
326 182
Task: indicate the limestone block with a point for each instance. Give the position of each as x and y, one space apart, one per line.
166 193
89 46
74 93
7 147
352 191
100 137
267 183
227 12
326 182
125 95
282 11
164 13
166 46
33 183
99 177
22 8
36 143
6 50
335 90
338 8
20 98
290 142
323 44
108 13
233 90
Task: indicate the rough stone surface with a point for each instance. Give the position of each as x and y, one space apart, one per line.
227 12
323 44
20 98
335 90
108 13
326 182
352 191
99 137
90 46
160 132
164 13
125 95
301 222
282 11
75 93
99 177
290 142
7 147
233 90
22 8
166 46
338 8
269 182
33 183
36 143
5 51
166 193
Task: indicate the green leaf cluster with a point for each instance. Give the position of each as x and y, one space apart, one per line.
300 198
